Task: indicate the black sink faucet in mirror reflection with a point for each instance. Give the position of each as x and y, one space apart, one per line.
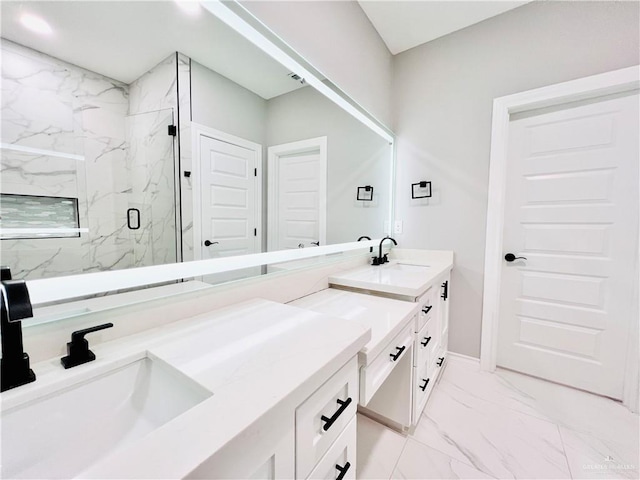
365 237
382 259
15 305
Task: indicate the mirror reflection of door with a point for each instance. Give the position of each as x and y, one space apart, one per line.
297 206
229 202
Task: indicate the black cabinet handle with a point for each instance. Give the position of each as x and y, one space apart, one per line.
330 421
396 356
440 360
427 309
317 244
426 341
426 382
445 290
343 470
208 243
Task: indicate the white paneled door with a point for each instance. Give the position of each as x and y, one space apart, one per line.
229 203
297 206
571 209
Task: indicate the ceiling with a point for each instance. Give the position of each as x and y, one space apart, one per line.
123 40
407 24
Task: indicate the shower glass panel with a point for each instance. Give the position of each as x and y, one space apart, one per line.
151 208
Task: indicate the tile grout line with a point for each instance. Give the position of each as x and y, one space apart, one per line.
395 465
564 450
493 402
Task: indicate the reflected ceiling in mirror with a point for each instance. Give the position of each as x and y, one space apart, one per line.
177 138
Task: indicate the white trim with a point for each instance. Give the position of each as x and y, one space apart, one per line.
617 81
41 231
199 130
40 151
243 28
49 290
273 167
464 357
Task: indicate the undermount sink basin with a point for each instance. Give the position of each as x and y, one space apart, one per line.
64 433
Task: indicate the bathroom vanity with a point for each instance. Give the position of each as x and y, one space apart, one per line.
257 389
405 303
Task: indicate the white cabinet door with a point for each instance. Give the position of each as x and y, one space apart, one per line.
571 209
266 451
443 310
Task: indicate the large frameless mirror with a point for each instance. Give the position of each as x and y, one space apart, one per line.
148 133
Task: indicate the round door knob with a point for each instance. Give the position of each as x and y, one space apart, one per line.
510 257
208 243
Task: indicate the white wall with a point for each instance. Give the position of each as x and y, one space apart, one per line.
442 97
337 38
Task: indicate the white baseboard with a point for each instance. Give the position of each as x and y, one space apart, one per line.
461 356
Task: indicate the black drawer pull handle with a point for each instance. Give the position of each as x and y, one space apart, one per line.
426 341
343 470
445 290
396 356
440 360
330 421
427 309
426 382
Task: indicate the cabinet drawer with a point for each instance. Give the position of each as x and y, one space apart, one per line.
324 415
427 342
340 460
373 375
427 308
424 381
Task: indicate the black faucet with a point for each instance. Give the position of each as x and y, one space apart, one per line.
15 305
78 348
379 260
365 237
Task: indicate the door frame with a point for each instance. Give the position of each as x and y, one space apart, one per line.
617 81
274 153
199 131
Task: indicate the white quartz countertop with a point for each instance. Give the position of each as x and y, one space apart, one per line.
254 357
409 273
385 317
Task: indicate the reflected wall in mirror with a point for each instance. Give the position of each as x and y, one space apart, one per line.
258 160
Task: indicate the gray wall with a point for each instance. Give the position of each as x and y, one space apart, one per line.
355 157
338 39
219 103
442 97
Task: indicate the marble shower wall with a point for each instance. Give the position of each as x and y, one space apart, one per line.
121 130
51 105
153 105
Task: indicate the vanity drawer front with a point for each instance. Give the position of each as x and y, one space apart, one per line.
427 307
427 341
324 415
424 381
340 460
373 375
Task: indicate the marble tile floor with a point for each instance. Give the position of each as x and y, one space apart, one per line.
505 425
